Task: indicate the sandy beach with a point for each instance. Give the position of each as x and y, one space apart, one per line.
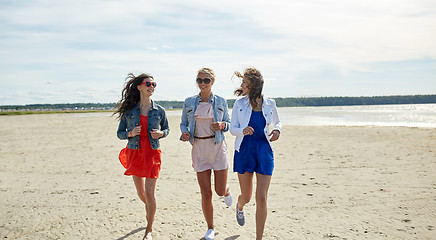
61 179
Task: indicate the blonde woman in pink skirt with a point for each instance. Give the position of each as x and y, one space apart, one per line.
205 118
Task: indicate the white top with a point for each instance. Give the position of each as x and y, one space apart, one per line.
241 114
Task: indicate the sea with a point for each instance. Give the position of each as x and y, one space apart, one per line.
405 115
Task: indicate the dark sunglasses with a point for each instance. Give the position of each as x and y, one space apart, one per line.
148 84
205 80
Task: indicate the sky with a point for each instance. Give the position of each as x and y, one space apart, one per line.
77 51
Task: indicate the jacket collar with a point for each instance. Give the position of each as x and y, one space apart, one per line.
153 105
247 100
212 97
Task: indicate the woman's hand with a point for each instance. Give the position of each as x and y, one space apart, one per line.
185 136
155 134
135 131
248 130
275 134
217 126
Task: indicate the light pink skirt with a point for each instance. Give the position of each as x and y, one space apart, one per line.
208 155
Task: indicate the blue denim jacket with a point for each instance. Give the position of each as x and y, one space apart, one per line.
157 119
220 114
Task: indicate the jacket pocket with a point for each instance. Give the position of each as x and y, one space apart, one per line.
155 122
220 113
130 121
190 113
268 115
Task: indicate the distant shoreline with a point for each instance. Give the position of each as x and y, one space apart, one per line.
14 113
281 102
11 113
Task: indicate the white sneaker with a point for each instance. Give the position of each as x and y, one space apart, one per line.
210 235
148 236
228 199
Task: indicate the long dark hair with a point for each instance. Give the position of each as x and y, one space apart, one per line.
130 94
255 87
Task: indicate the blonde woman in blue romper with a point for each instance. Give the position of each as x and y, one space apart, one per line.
252 116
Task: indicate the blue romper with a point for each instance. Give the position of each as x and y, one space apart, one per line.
255 153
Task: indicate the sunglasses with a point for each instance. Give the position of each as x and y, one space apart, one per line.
148 84
205 80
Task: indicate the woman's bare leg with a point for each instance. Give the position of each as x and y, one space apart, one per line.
145 188
221 187
204 181
263 182
246 185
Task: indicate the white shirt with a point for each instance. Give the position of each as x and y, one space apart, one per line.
241 114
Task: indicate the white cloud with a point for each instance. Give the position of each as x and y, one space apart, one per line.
94 44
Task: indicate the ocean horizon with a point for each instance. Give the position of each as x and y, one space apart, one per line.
401 115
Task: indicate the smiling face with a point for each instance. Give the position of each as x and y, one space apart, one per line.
204 87
244 86
147 86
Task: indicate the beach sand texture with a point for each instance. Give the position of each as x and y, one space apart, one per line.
61 179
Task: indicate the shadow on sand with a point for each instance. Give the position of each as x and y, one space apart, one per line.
232 237
131 233
142 229
228 238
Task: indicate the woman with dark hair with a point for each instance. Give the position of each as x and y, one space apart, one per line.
251 117
142 123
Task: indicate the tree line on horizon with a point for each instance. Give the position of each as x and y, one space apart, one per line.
281 102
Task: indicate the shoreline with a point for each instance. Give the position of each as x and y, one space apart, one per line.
286 117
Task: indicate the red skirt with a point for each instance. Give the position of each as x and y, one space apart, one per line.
145 161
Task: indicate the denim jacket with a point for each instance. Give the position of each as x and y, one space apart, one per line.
220 114
156 120
241 114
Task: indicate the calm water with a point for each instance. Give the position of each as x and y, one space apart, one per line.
408 115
